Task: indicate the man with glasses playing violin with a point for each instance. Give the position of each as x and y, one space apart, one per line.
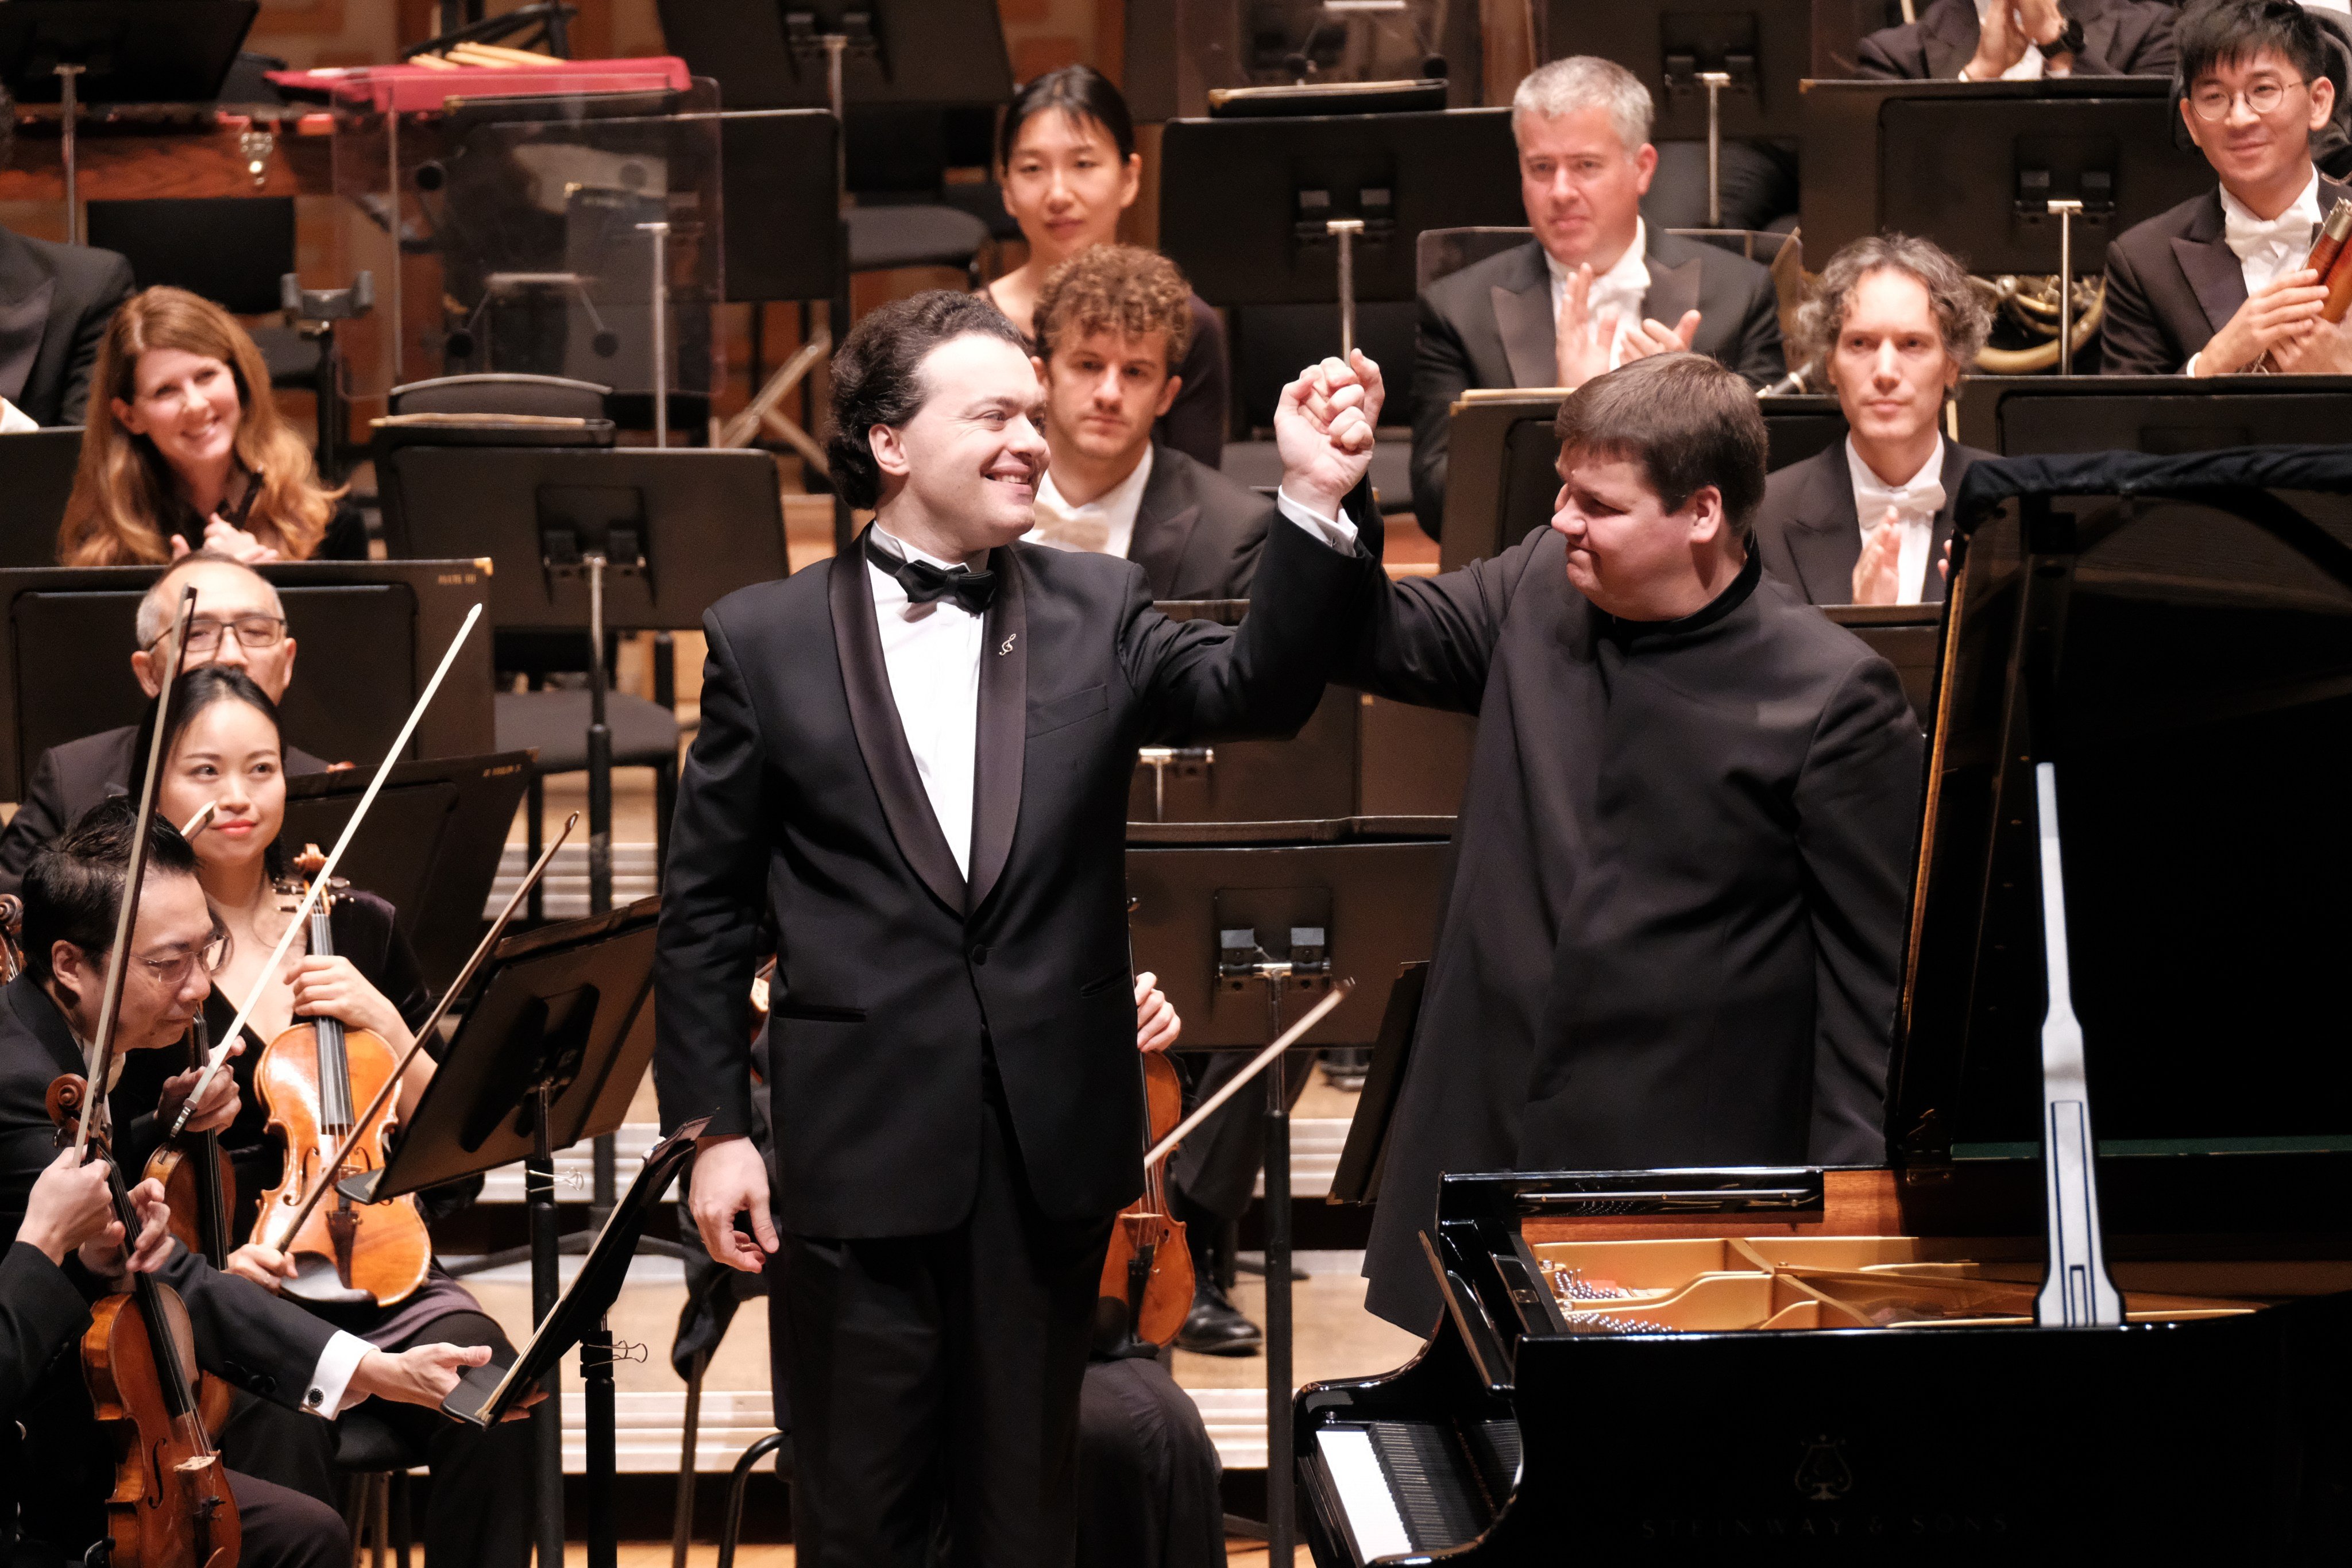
2211 287
56 1465
239 621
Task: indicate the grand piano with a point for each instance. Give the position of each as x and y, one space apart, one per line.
1839 1366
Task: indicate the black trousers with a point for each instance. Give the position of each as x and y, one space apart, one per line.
481 1504
279 1528
1147 1472
934 1383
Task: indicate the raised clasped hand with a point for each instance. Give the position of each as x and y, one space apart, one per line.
1323 429
228 539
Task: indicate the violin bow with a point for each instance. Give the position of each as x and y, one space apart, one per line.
360 1123
230 1035
1258 1064
99 1061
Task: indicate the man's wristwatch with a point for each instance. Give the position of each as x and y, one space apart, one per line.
2069 40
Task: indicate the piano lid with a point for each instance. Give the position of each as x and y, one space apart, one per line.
2175 635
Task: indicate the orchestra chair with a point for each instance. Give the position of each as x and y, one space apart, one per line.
236 251
376 1463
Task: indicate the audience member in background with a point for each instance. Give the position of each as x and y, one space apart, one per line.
1895 323
1068 164
2023 40
239 622
189 451
54 302
1112 324
1596 287
2212 285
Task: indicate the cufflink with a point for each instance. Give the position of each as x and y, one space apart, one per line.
313 1399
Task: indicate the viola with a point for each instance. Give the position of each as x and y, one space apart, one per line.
1147 1278
312 1080
172 1506
199 1185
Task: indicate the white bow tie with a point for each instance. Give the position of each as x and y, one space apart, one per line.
1914 503
2289 234
1085 529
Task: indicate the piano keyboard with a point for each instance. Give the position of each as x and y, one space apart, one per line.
1408 1486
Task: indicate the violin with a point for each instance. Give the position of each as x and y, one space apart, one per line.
311 1079
198 1185
1147 1278
171 1507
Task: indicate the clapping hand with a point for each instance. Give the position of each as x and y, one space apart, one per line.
226 539
1877 575
1323 428
1656 338
1582 343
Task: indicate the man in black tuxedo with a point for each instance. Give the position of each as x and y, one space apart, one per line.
1595 287
2211 286
55 302
239 621
916 757
2023 40
55 1463
1112 324
1676 911
1893 324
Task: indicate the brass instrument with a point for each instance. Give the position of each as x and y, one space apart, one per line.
2026 305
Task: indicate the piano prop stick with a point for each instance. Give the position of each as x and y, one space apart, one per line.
2077 1292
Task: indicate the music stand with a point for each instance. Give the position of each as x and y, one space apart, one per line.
1501 474
551 1051
2012 176
1365 1156
431 846
1222 908
130 51
370 632
37 477
1713 67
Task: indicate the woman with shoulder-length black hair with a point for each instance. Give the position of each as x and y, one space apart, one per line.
1067 158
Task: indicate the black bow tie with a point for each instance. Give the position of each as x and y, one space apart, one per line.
926 584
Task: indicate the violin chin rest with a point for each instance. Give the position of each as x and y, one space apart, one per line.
316 1281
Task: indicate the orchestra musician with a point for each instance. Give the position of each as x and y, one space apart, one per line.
1112 325
2023 40
2214 284
1893 324
223 750
1596 287
189 450
54 300
239 624
957 1111
69 1211
1676 910
1067 163
57 1479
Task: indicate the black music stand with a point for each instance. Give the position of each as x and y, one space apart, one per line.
130 51
551 1051
36 477
434 840
1223 909
1713 67
2011 176
771 53
371 633
1357 1180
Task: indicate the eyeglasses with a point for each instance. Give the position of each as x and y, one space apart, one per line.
171 972
2212 102
252 631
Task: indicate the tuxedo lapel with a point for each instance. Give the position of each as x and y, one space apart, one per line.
1672 291
1955 464
1163 526
1522 315
2215 273
881 738
24 321
1003 727
1827 538
1947 36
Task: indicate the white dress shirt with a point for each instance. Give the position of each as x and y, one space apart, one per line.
1621 290
931 653
1915 502
2029 67
2267 248
1103 526
14 421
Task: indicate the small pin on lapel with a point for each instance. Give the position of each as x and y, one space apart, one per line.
1006 645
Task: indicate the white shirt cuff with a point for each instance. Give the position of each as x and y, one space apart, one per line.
1339 533
331 1379
2190 368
